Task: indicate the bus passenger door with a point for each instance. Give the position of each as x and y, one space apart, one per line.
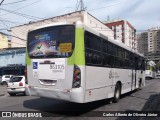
136 72
132 74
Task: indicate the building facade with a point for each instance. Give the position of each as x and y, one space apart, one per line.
12 56
142 40
82 16
3 41
149 41
12 61
154 39
124 32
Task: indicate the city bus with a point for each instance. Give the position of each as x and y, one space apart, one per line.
150 71
72 62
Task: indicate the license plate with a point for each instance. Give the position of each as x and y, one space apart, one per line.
13 88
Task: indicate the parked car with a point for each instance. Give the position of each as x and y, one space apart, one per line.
5 79
16 85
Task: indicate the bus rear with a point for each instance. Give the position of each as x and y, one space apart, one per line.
52 68
150 71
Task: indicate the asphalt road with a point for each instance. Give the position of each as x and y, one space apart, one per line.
134 101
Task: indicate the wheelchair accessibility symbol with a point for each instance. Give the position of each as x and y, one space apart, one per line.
35 65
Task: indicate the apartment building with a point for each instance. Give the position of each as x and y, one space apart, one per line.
124 32
149 41
142 40
154 39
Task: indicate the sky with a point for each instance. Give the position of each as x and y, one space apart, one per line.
142 14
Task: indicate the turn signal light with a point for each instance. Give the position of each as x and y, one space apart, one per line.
20 84
76 77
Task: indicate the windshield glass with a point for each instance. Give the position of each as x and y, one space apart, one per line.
51 42
7 76
16 79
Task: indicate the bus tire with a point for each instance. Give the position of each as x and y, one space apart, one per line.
117 93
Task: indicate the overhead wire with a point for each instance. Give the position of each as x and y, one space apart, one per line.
14 36
14 2
3 28
21 14
107 6
1 2
8 27
23 7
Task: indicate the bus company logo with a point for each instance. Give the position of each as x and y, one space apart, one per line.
35 65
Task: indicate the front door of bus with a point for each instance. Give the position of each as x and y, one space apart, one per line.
136 70
132 75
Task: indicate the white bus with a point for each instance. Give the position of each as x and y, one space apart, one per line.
150 71
74 63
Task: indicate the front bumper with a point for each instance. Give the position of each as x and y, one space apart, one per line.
15 90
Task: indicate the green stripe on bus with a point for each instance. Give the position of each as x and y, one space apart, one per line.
78 54
70 60
28 60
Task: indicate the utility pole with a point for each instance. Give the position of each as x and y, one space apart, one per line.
1 2
80 5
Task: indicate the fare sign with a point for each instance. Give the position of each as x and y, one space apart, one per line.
66 47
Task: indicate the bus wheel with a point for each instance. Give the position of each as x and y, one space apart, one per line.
117 93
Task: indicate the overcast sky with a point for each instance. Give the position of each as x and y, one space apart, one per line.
142 14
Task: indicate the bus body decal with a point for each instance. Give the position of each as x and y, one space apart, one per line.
28 60
70 60
78 54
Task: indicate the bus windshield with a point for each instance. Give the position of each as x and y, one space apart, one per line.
51 42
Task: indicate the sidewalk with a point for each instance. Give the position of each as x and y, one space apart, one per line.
3 90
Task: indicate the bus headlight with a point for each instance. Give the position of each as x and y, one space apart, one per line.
76 77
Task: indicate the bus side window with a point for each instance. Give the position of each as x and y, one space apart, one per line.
93 58
89 56
105 46
110 48
97 58
97 44
108 60
111 60
88 40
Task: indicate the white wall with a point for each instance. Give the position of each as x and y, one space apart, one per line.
89 20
